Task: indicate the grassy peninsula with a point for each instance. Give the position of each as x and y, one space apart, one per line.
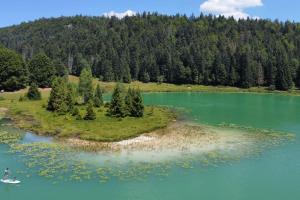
32 115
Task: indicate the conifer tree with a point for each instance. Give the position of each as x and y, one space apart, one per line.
60 97
283 77
33 92
71 97
129 101
85 87
98 99
137 104
117 107
90 113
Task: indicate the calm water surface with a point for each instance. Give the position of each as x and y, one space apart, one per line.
274 175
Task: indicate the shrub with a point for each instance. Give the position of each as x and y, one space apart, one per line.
33 92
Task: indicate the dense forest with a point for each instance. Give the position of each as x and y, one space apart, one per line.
157 48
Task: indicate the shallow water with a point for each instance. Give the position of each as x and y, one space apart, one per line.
273 174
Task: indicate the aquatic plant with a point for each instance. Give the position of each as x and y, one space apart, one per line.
9 138
58 162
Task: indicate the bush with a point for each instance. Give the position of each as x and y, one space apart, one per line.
23 98
90 114
34 93
78 116
75 112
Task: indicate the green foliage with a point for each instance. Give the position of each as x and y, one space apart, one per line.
137 106
22 98
33 92
175 49
90 113
13 72
61 97
60 69
85 87
75 111
129 101
298 78
98 99
42 70
117 105
283 77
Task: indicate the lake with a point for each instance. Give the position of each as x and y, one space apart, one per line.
274 174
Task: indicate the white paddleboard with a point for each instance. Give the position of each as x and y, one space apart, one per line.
10 181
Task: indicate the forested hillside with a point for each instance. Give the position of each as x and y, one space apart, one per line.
175 49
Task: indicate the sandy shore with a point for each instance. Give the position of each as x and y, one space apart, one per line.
177 138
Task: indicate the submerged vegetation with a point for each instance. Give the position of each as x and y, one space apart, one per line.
60 162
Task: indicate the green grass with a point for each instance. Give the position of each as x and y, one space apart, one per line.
32 115
166 87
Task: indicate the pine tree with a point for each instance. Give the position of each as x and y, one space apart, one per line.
61 69
129 101
246 78
90 114
71 97
33 92
116 107
284 79
59 100
137 104
85 87
98 99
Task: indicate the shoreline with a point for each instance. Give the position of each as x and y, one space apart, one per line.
177 138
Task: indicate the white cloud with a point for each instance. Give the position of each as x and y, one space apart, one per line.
119 15
228 8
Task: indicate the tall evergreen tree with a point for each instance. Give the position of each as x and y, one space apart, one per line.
129 101
284 79
246 78
90 113
117 105
61 69
85 87
60 99
98 99
137 104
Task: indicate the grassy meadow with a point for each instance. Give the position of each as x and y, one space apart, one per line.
167 87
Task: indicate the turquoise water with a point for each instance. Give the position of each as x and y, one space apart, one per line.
272 175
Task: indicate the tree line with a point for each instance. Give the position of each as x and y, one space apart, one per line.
158 48
40 70
66 98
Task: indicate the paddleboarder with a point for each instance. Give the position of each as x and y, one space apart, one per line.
6 174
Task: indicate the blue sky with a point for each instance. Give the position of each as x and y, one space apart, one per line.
17 11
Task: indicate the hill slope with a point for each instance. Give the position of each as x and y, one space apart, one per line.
173 49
